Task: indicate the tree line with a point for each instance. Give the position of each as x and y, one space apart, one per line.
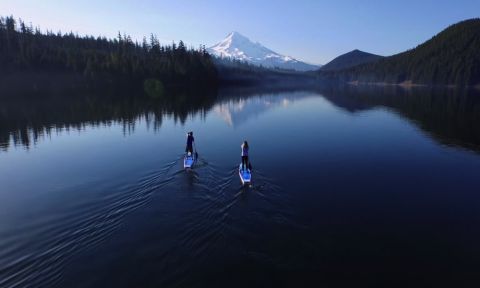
24 48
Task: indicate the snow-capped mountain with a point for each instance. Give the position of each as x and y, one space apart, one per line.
237 46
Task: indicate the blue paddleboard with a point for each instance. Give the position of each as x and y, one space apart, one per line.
245 175
188 160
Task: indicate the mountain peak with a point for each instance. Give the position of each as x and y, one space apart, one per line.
239 47
235 38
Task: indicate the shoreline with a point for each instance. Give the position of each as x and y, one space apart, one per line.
409 84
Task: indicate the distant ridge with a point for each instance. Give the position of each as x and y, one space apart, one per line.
350 59
238 47
451 57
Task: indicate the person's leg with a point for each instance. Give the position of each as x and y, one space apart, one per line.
243 163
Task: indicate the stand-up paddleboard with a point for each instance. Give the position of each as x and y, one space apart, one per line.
188 160
245 175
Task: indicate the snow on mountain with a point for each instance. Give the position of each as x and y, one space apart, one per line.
237 46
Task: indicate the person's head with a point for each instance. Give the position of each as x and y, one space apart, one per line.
190 133
245 143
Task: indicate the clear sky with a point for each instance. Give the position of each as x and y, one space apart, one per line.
311 30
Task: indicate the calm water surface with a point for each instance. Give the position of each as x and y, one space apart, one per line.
365 188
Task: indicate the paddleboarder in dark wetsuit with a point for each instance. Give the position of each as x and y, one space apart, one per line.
190 140
245 162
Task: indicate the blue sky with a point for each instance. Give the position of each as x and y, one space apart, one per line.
315 31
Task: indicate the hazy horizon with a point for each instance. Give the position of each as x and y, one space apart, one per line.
312 32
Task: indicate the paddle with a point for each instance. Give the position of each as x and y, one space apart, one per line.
196 153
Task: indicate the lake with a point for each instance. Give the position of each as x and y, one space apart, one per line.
352 186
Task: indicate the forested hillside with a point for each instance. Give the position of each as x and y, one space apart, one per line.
350 59
450 58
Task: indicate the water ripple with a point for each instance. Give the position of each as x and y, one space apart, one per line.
36 254
49 243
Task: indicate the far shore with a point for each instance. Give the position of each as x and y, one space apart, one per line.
407 84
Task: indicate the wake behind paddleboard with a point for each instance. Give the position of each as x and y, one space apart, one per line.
245 175
188 161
